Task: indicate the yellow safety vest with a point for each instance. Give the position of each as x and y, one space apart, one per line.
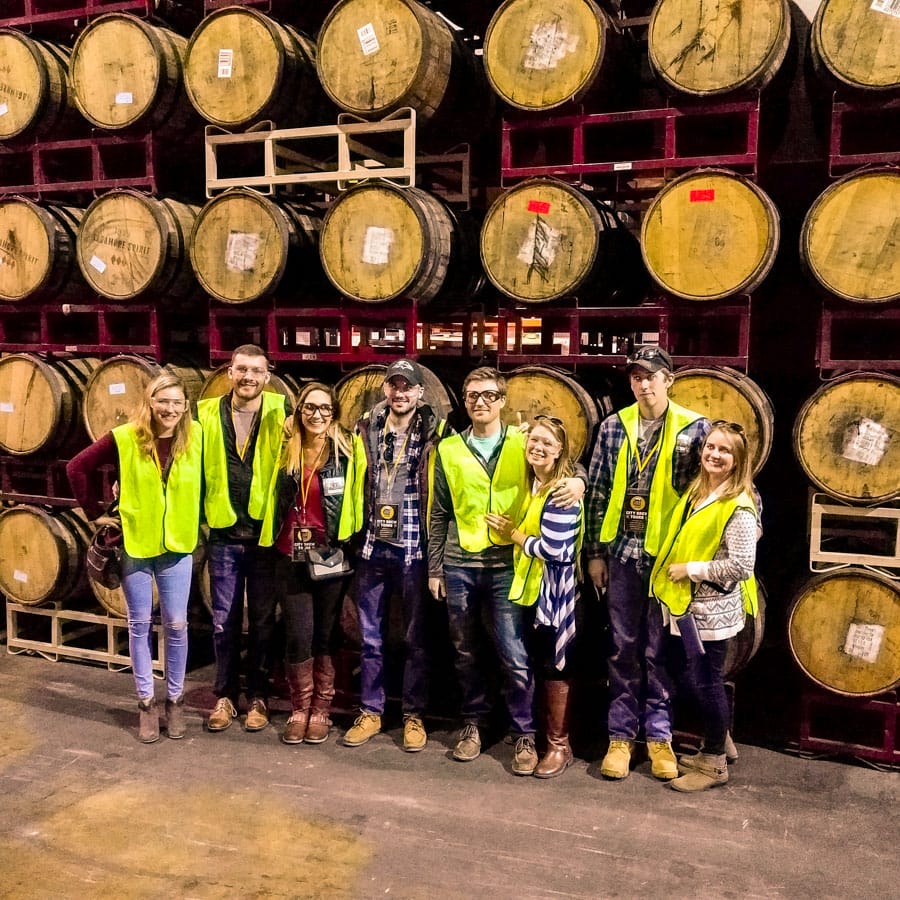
158 517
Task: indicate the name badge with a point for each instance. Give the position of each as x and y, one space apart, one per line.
303 541
387 521
634 516
333 486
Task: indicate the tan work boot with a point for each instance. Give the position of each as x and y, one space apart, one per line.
663 764
616 764
709 771
525 758
257 715
366 726
414 736
148 725
222 715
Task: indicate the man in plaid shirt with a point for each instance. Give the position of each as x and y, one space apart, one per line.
643 459
393 442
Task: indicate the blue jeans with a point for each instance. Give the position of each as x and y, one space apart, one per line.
379 578
702 677
173 581
479 598
236 568
639 685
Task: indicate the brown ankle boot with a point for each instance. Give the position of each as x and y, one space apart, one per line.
559 756
319 720
148 726
175 718
300 682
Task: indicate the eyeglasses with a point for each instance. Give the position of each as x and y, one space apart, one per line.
553 420
174 404
325 410
472 397
244 370
735 427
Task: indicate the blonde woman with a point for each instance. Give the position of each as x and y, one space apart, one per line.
309 487
157 460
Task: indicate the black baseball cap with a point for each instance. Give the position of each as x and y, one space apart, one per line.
405 368
650 357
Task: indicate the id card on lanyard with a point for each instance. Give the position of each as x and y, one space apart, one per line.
387 521
637 499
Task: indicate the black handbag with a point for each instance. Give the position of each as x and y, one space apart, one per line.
104 554
326 563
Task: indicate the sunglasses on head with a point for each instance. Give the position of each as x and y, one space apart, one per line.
645 354
736 427
553 420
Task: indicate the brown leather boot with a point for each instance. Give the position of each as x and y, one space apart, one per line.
175 718
559 756
300 682
319 720
148 726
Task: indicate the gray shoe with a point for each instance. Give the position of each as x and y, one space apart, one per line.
525 758
688 762
468 747
709 771
148 726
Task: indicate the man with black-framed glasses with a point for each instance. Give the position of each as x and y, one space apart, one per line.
480 471
643 459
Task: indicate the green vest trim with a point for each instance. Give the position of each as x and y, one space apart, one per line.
663 496
157 518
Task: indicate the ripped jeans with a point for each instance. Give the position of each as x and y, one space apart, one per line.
173 581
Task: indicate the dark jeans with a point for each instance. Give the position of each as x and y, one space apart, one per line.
236 568
702 678
380 578
639 685
479 598
311 610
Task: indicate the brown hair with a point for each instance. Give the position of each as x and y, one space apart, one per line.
144 424
248 350
292 450
485 373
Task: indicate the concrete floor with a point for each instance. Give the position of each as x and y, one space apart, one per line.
87 811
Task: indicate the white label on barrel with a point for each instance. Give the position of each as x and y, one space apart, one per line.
377 246
865 442
891 7
98 264
539 249
241 251
367 39
863 641
622 167
4 109
124 98
7 407
117 388
548 44
20 576
226 63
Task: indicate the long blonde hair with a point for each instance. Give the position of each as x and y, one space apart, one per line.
292 449
144 425
741 478
563 467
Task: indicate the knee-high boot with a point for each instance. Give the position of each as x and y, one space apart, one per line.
558 757
319 719
300 682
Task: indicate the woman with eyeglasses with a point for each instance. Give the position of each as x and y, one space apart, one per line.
547 542
157 460
704 578
302 522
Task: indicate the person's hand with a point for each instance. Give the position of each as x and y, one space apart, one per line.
438 588
503 525
568 492
598 572
677 571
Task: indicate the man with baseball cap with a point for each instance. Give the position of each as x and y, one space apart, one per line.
643 459
394 441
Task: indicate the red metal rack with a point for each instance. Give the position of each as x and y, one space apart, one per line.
695 334
863 134
646 141
23 13
858 337
25 479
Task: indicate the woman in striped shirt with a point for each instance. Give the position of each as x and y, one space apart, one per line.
548 539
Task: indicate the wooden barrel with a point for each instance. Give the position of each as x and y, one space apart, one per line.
533 390
37 251
710 234
126 74
724 393
34 96
846 437
850 240
743 646
380 242
358 391
844 632
218 384
41 553
377 56
244 244
131 244
544 239
41 402
114 390
704 49
539 54
241 67
855 44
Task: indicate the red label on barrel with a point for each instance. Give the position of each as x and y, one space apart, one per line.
705 196
541 207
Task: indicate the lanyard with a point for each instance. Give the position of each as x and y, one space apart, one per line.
391 472
163 472
242 450
305 484
643 463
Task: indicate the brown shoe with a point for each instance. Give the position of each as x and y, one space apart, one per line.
257 715
559 756
148 724
300 682
297 724
222 715
414 735
319 718
525 758
175 718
